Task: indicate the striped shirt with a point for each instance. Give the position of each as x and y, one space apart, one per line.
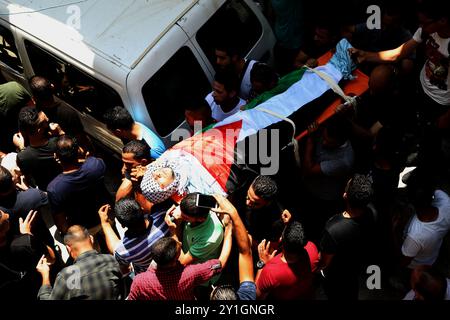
137 250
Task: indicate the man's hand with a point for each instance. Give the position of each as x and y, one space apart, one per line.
55 129
312 127
173 218
264 251
25 226
225 206
103 213
43 267
357 55
19 141
137 174
286 216
21 185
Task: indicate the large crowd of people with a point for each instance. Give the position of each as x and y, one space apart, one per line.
308 232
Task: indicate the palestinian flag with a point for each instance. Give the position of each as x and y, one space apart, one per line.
218 155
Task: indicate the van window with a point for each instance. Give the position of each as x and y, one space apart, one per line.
8 51
81 91
233 18
181 77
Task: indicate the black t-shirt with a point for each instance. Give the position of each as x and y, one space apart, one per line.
66 117
39 164
347 239
260 223
18 260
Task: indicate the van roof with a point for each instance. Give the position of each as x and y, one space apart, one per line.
122 30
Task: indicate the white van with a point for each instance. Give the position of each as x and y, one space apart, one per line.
137 53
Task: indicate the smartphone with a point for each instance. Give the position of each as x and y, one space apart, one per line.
205 201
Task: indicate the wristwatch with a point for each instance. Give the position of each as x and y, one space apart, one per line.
260 264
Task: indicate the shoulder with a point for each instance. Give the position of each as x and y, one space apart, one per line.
34 196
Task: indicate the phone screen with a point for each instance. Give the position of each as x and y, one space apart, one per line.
206 201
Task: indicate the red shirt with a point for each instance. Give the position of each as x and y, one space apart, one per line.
284 281
172 284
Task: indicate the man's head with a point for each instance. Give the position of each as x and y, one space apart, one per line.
293 239
227 55
6 182
336 132
166 251
33 122
67 150
42 90
359 191
225 86
261 192
198 110
381 81
428 284
420 190
189 210
223 292
434 16
119 121
263 78
129 213
78 240
134 153
326 32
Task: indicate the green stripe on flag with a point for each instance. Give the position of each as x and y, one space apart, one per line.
283 84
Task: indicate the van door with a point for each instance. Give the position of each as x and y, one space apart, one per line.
240 18
11 67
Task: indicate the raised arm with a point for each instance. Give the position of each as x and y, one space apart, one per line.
386 56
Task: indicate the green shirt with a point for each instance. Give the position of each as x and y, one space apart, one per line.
204 241
12 96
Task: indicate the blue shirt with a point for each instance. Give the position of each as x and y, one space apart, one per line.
137 250
155 143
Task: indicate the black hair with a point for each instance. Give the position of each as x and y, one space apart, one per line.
128 212
265 187
164 251
435 9
67 149
188 206
293 238
359 191
139 148
41 88
338 128
5 180
228 79
28 120
118 118
224 292
196 104
262 72
228 45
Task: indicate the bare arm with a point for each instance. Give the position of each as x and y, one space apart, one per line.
125 189
387 56
112 240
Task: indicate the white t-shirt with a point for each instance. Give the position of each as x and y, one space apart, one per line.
411 294
423 239
216 110
246 84
435 74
